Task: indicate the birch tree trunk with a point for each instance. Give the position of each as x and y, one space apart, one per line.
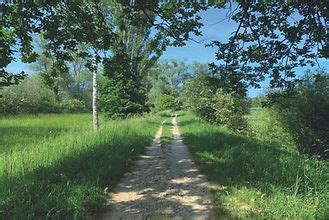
95 95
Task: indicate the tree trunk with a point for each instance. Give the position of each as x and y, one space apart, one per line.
95 94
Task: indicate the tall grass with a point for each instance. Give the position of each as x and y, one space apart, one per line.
55 166
259 175
166 136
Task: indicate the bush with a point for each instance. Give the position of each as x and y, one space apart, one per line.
229 110
203 108
202 86
32 96
304 112
203 96
69 105
224 109
165 102
115 103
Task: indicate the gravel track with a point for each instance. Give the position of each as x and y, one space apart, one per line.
164 184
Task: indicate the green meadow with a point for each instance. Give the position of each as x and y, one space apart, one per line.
54 165
135 65
258 174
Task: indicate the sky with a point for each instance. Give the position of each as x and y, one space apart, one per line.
215 28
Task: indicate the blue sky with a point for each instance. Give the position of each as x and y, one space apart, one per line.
215 28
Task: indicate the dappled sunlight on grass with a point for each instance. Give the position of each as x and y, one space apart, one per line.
69 174
257 175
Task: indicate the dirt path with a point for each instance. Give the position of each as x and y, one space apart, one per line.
163 185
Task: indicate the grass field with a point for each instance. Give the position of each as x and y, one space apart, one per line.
166 136
55 166
258 174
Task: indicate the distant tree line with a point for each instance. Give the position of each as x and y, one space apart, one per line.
113 39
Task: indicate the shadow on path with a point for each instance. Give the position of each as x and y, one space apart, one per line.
164 184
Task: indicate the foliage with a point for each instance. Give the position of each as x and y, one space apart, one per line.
198 88
80 80
133 37
167 78
229 110
135 51
72 77
7 79
66 25
304 110
59 23
69 105
122 91
260 175
173 73
165 102
224 109
54 166
53 73
271 39
266 41
259 101
204 96
32 96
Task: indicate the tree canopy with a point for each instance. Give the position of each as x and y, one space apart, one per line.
66 24
272 38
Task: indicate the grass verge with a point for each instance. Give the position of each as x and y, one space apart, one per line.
57 167
166 136
259 175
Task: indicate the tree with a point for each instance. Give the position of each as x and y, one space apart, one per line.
203 95
167 78
201 85
197 68
73 78
31 96
303 111
134 52
165 102
272 38
54 74
80 74
122 92
67 24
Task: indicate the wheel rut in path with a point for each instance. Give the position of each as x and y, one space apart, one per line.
164 184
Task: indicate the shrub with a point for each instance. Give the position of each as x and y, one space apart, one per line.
203 96
304 112
225 109
229 110
69 105
203 107
202 86
32 96
165 102
117 104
